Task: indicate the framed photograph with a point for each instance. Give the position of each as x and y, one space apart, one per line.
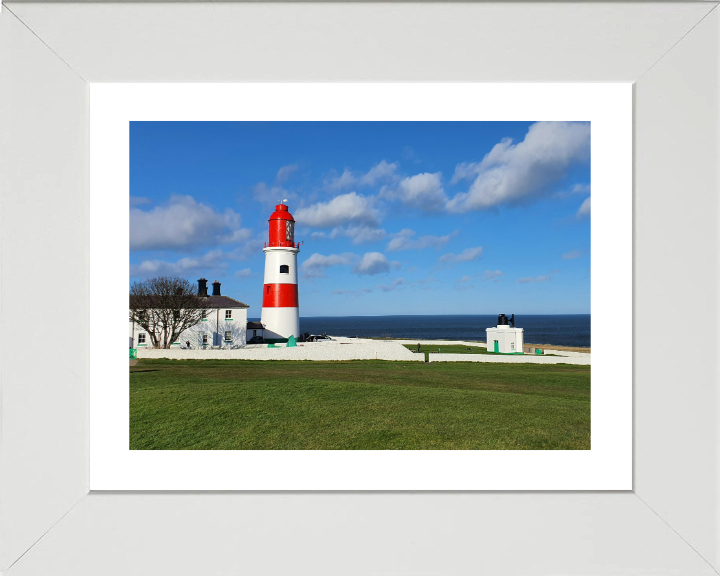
645 92
472 454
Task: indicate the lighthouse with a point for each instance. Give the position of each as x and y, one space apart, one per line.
280 313
503 339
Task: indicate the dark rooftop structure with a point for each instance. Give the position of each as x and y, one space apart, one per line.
225 302
217 300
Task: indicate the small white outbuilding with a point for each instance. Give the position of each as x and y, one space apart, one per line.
503 338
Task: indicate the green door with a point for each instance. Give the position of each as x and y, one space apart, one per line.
496 347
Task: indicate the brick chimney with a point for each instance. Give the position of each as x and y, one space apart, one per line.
216 288
202 287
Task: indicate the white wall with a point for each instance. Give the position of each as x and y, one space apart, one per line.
506 337
238 327
281 322
274 258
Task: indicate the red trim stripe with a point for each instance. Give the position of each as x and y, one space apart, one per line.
280 296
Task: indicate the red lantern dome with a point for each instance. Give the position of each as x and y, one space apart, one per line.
282 227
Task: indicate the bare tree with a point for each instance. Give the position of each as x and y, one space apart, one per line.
165 307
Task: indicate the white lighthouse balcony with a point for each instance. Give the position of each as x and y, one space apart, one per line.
294 246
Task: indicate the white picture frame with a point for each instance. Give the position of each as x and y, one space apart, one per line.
49 53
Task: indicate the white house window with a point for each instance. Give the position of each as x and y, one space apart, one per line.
176 315
141 338
228 314
204 314
284 269
205 339
512 345
254 332
228 336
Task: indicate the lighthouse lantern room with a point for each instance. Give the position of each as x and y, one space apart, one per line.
503 338
280 313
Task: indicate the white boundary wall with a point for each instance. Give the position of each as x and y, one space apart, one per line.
338 349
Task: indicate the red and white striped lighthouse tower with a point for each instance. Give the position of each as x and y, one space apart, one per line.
280 313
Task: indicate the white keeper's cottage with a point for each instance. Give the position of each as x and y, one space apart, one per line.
224 324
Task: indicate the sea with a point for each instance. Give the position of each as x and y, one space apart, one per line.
556 329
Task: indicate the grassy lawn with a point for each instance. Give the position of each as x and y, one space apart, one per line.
449 349
357 405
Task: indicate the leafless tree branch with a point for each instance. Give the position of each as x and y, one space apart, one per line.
165 307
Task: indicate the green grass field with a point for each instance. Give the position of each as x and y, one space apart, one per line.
357 405
449 349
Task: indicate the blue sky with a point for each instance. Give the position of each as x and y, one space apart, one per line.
396 217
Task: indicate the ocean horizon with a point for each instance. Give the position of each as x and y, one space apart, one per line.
556 329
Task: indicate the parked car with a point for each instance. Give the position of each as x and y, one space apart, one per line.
318 338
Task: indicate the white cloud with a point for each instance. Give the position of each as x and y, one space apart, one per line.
315 265
409 153
491 275
353 292
211 261
240 235
530 279
370 264
345 180
381 172
464 171
373 263
246 248
139 201
271 195
465 278
184 223
466 255
423 191
285 172
514 173
571 255
244 273
584 209
345 209
581 189
358 234
392 285
428 280
403 240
